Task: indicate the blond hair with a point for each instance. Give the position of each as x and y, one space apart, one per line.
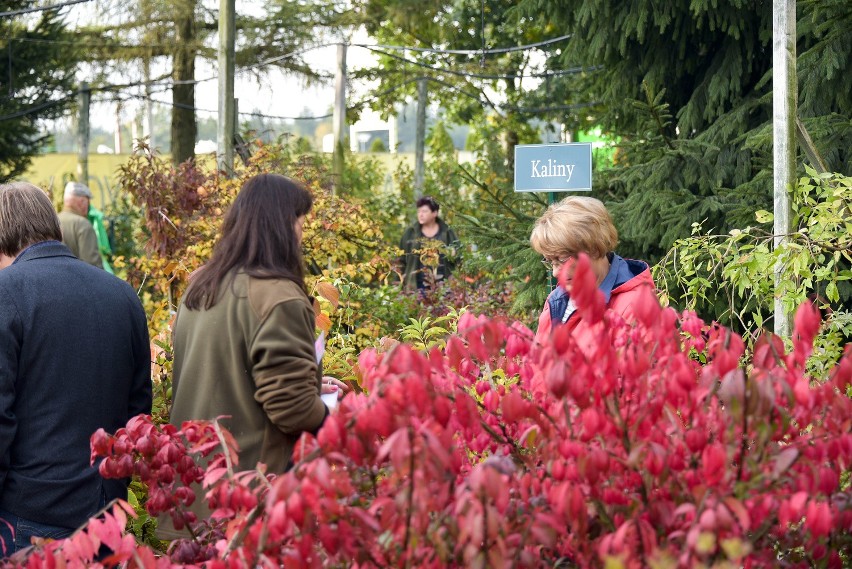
27 217
577 224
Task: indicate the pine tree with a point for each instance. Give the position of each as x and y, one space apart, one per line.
176 32
686 86
36 82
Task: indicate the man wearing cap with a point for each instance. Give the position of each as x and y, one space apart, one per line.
77 232
61 377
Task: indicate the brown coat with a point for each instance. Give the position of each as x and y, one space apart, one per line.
250 357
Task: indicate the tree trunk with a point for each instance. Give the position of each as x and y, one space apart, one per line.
183 94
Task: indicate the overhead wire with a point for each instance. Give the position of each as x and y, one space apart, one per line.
371 47
493 51
556 73
243 113
41 8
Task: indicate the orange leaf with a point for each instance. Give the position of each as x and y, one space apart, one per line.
323 322
328 292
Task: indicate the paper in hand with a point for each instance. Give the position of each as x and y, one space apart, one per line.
330 400
319 346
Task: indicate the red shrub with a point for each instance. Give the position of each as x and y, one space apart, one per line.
634 452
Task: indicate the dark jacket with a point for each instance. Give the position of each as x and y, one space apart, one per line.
74 357
412 265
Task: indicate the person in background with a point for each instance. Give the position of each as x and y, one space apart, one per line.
96 218
427 233
244 332
77 232
61 378
580 224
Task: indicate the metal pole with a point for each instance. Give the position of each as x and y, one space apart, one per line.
784 99
148 124
225 124
117 133
83 135
393 133
339 118
420 137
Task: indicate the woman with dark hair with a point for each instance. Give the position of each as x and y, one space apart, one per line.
426 237
244 333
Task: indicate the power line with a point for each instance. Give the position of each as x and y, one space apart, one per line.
285 56
35 109
544 75
374 48
244 113
92 44
42 8
465 51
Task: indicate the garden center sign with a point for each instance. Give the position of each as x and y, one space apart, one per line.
553 167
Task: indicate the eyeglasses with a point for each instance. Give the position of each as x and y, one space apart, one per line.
552 264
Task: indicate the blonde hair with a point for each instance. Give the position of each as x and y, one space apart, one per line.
27 217
577 224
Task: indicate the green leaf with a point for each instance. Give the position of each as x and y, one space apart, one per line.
763 216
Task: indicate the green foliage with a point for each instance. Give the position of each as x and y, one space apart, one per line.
36 81
143 526
426 333
686 87
463 84
499 222
126 229
731 277
439 141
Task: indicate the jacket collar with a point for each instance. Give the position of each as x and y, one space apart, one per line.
43 250
621 271
442 225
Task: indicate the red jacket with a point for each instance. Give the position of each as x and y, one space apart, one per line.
621 286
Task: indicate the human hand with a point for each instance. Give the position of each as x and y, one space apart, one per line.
334 385
332 391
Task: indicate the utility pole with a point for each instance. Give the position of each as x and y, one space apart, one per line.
148 123
339 118
420 138
83 135
784 105
117 133
227 114
393 133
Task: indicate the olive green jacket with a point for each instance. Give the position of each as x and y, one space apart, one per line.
79 236
250 357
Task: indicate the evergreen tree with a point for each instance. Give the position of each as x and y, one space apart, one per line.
36 82
451 43
175 32
686 85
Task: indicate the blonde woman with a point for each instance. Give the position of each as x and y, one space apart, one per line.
580 224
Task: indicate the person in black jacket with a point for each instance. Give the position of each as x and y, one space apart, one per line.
431 240
74 357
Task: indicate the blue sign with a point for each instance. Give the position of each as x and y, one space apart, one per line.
553 167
